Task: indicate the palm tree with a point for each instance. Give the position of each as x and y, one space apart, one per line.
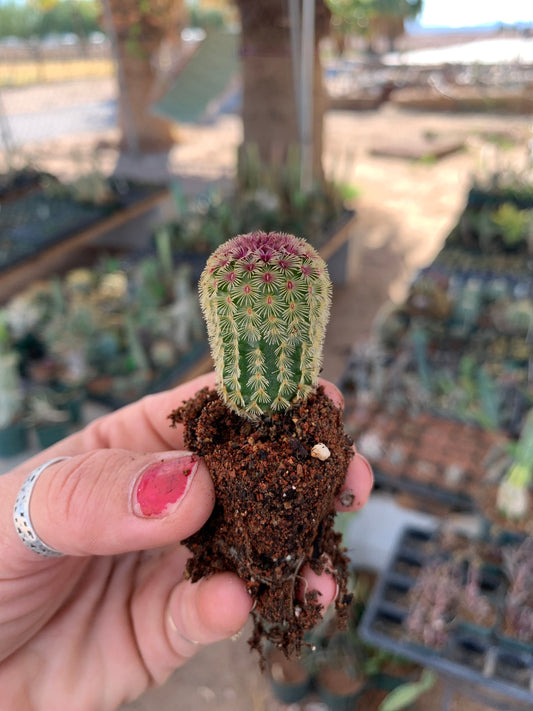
387 18
140 28
269 110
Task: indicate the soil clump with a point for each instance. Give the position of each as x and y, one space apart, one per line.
274 510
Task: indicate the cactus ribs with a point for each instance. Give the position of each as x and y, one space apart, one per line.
265 298
274 508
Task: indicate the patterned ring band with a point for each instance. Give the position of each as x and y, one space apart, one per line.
21 514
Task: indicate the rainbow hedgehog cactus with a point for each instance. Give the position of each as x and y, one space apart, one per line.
265 298
272 440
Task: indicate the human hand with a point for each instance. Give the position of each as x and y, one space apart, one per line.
114 615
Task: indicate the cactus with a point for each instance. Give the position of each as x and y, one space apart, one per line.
272 440
265 299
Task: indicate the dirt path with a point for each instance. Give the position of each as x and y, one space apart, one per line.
44 97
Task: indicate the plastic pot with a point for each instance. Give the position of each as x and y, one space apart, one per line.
339 690
71 400
47 435
289 679
13 439
395 674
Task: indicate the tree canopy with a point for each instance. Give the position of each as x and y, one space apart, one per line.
38 19
373 17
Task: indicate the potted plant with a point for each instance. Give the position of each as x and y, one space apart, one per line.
68 335
49 422
466 612
508 504
518 605
340 679
344 671
13 436
263 195
290 679
273 441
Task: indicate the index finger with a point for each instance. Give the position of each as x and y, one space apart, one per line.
143 426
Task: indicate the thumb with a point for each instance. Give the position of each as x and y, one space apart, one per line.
112 501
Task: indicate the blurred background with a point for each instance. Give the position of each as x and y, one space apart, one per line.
396 136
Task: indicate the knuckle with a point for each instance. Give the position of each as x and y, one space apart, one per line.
78 492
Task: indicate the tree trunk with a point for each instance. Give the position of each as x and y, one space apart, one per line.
139 36
387 26
269 110
151 133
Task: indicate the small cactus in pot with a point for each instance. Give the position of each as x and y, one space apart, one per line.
272 440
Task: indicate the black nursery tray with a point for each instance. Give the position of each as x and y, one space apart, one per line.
36 221
161 380
462 263
495 670
479 197
456 501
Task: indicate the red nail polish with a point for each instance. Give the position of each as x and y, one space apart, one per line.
162 485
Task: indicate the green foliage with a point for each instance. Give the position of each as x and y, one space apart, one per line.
354 16
206 18
24 20
11 395
18 20
347 191
201 226
513 222
475 394
498 226
265 299
5 340
405 695
264 199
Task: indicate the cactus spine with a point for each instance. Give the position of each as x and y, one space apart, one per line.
265 299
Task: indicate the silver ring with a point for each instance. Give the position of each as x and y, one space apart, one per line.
21 514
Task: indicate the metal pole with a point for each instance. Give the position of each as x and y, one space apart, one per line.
306 92
5 132
296 49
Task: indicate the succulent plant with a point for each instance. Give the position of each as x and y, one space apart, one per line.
513 497
265 299
518 565
11 392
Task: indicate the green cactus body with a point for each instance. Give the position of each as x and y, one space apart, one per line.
265 299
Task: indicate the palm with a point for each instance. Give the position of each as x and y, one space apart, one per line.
106 628
107 620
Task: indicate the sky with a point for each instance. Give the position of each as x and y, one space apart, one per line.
462 13
466 13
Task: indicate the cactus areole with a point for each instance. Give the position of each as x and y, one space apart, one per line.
265 298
